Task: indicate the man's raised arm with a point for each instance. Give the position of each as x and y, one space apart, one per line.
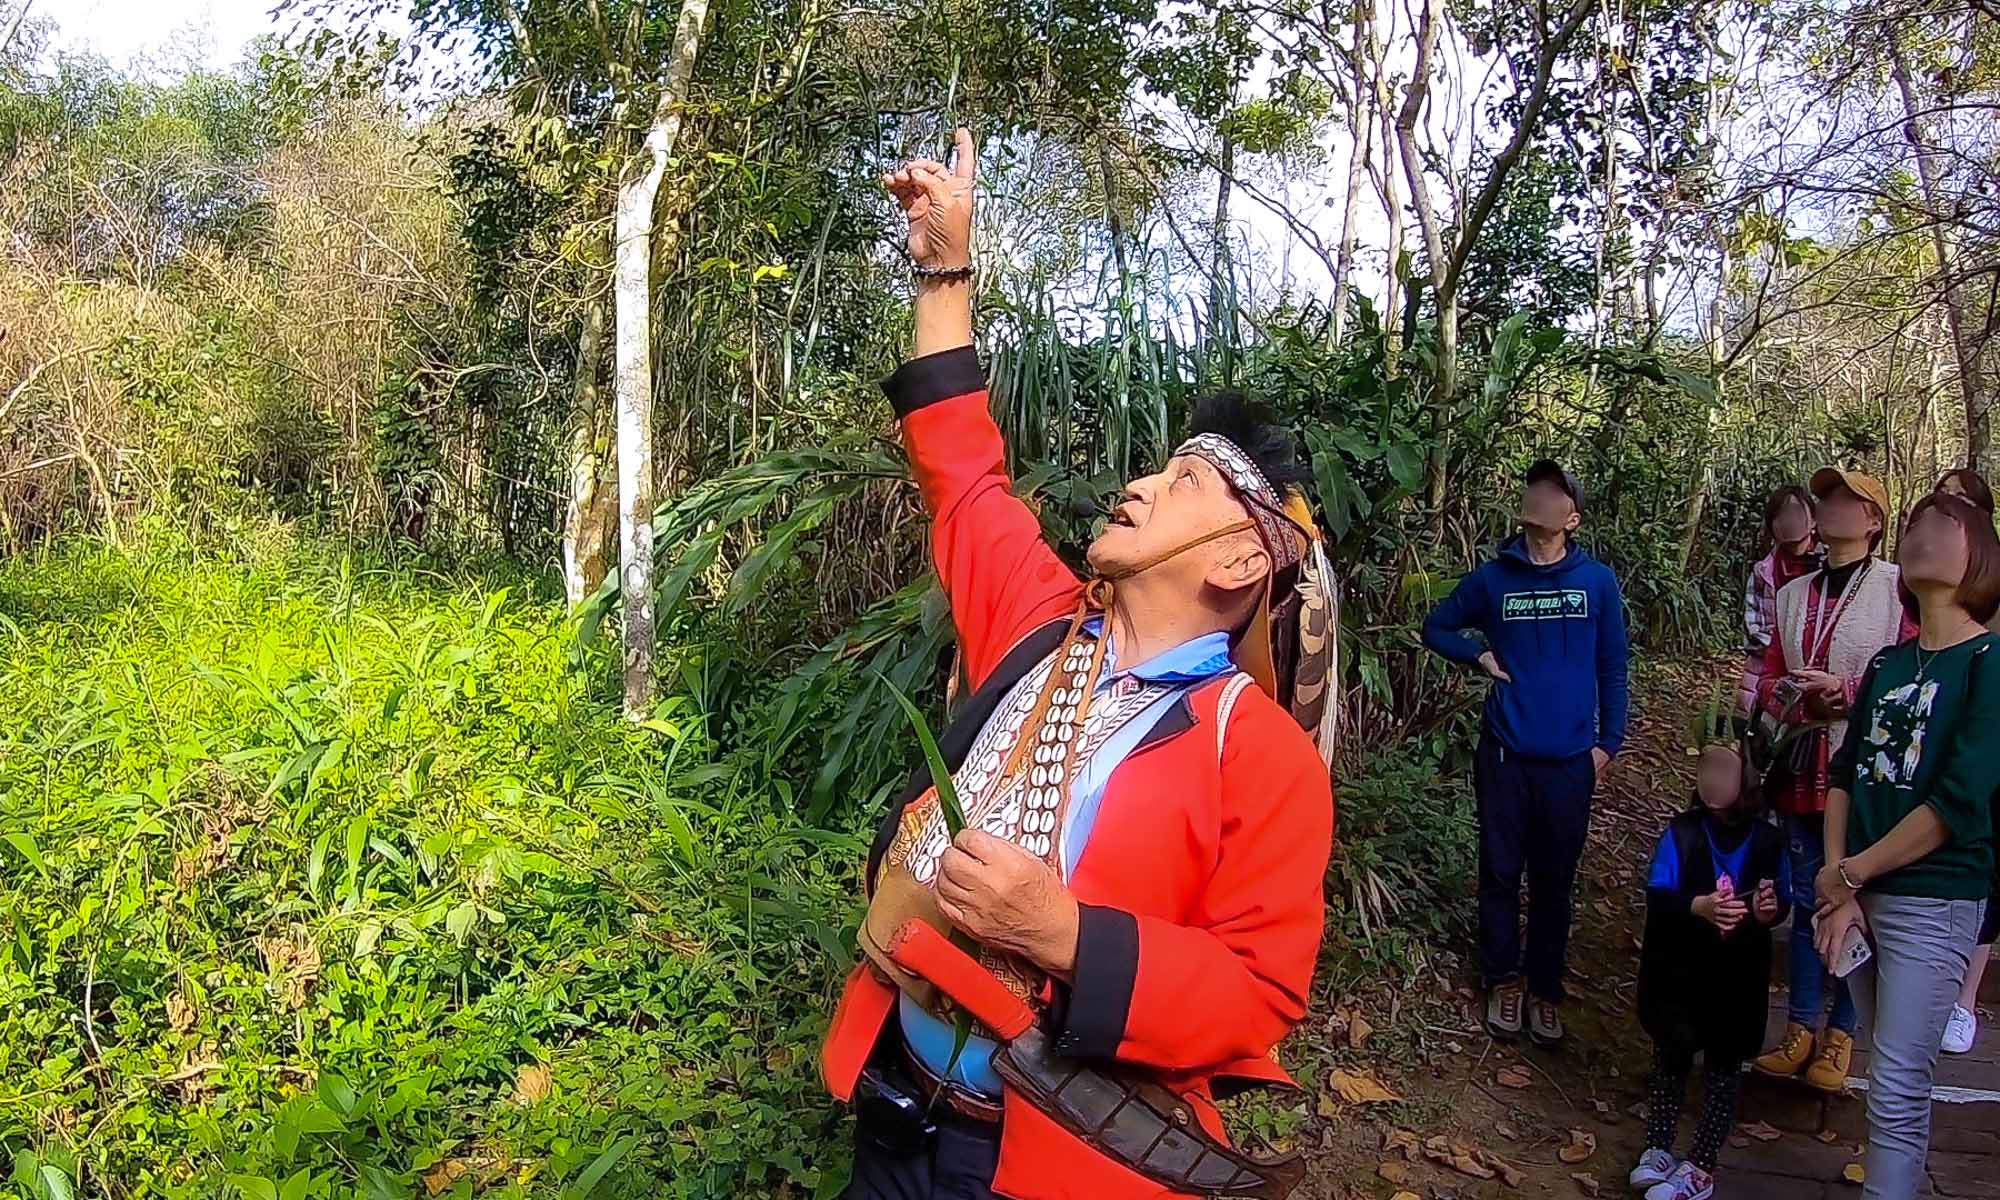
1001 578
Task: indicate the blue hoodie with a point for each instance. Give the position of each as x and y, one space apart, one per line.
1559 631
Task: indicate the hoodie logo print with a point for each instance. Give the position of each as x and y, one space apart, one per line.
1545 606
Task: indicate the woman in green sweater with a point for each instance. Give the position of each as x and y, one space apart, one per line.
1909 824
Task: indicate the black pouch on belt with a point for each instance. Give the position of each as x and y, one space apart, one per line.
891 1116
1139 1124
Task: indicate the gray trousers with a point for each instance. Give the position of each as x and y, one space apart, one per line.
1905 993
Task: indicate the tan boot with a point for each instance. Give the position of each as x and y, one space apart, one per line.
1794 1051
1828 1072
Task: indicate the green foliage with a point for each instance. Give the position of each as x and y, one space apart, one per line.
324 876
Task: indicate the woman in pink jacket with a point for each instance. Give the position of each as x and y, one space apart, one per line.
1792 537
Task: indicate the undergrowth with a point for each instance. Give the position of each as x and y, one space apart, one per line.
328 880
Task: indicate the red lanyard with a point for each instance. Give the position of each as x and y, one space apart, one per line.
1824 631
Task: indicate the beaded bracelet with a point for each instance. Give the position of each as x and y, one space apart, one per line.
948 273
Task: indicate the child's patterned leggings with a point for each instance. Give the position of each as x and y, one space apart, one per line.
1722 1081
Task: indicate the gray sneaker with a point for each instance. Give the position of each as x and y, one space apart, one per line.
1545 1024
1503 1011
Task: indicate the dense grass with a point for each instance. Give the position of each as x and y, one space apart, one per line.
328 881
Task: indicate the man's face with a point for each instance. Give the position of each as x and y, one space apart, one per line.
1546 508
1156 513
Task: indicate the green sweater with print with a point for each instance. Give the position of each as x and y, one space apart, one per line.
1925 729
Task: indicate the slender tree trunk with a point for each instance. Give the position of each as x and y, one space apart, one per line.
1222 280
632 227
1697 499
1696 504
1392 201
591 507
1357 171
1973 386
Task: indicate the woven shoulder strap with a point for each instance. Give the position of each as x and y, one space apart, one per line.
1223 706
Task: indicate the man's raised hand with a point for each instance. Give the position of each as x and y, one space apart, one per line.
938 202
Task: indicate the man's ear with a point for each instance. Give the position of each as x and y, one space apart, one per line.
1242 563
1575 519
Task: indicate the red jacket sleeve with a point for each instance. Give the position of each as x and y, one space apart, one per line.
999 575
1229 983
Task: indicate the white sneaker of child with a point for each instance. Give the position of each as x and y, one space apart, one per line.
1959 1030
1655 1167
1688 1182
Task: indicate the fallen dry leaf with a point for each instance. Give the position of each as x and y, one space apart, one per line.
1828 1136
1393 1172
1854 1173
1507 1131
1509 1173
1358 1030
1738 1140
1458 1157
1585 1181
1582 1144
531 1084
1406 1196
1513 1077
1401 1140
438 1180
180 1014
1359 1087
1762 1131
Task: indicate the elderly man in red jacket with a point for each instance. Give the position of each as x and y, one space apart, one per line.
1052 999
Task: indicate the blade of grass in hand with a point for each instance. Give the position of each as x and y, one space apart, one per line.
947 793
954 821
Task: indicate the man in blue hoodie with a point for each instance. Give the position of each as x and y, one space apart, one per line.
1551 634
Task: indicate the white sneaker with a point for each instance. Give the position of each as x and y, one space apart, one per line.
1655 1167
1959 1030
1688 1182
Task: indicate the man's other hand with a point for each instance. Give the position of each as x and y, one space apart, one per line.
1599 759
1008 899
1491 666
938 202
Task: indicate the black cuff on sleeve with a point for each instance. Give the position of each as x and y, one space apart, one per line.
1091 1023
934 377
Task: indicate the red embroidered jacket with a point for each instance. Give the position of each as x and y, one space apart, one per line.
1201 886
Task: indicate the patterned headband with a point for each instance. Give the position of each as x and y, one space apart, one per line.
1282 536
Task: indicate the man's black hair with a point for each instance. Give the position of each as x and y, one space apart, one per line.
1268 441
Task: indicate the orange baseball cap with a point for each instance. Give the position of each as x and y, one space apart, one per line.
1867 487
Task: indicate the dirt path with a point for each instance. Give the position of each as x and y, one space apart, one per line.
1484 1119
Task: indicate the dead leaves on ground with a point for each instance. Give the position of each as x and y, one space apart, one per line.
1762 1131
1582 1144
1359 1087
1513 1077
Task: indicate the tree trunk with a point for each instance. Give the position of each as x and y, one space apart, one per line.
1704 478
591 507
1973 385
1357 171
1222 280
632 225
1392 202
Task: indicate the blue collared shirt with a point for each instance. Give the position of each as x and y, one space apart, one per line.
1187 664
